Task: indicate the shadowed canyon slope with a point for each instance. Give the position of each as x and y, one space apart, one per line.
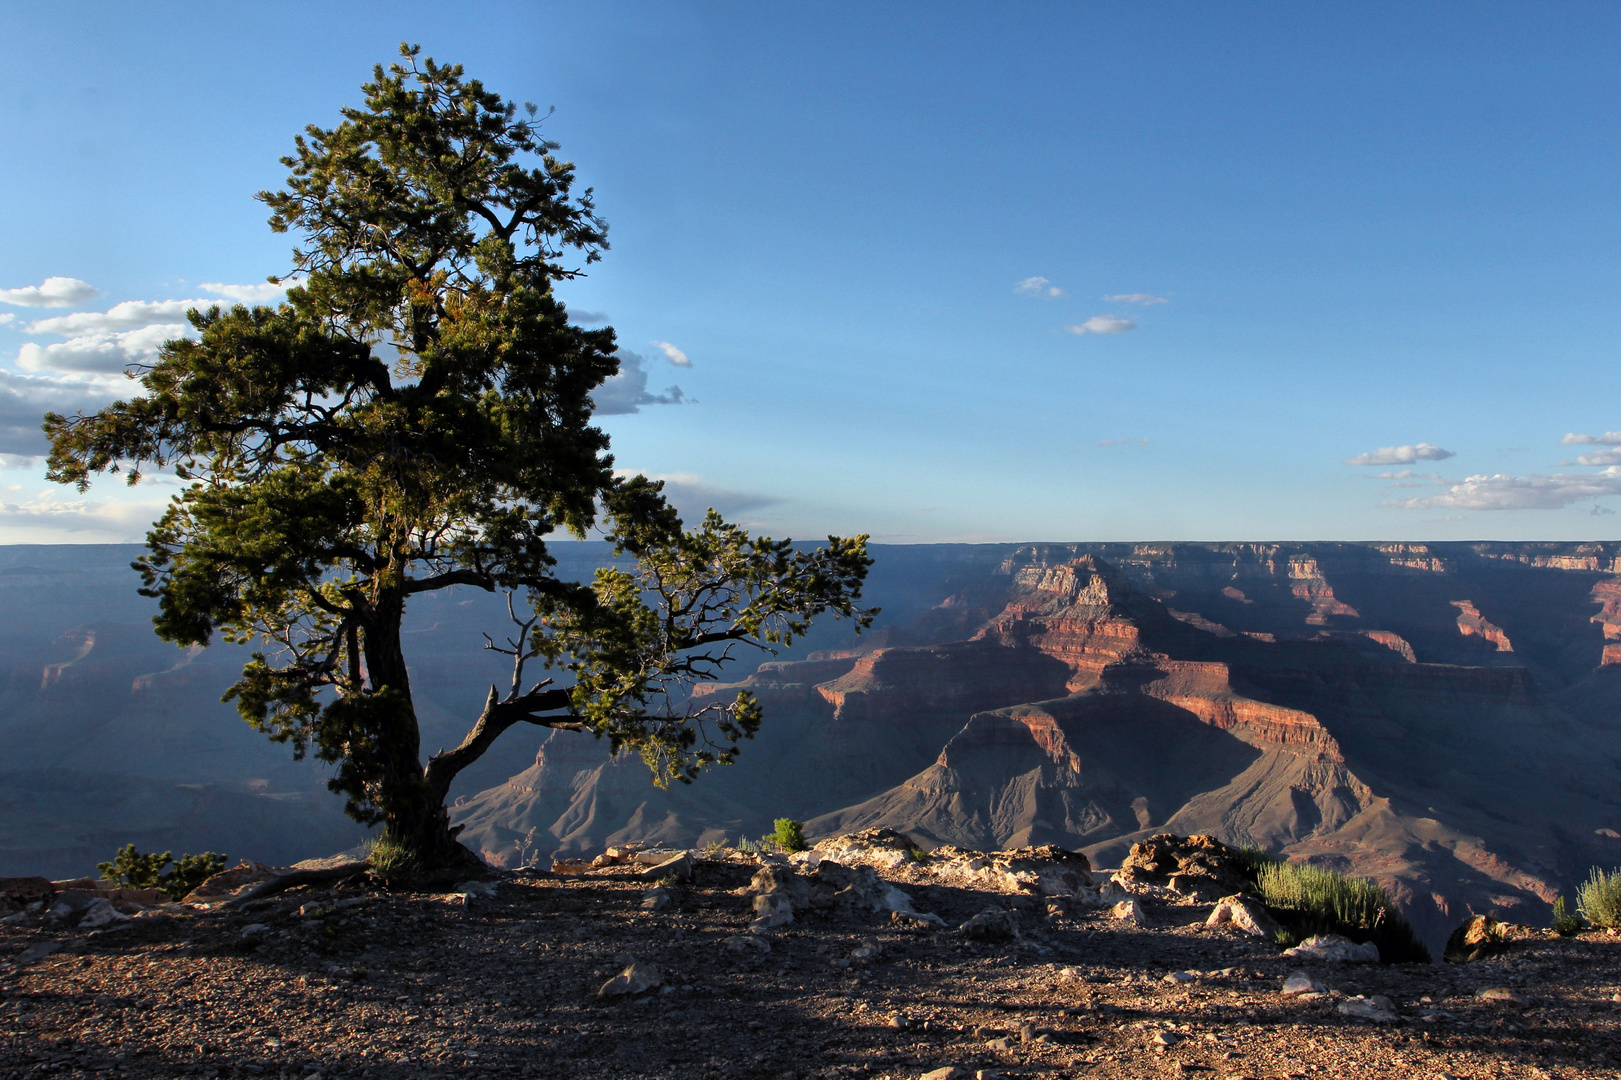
1446 718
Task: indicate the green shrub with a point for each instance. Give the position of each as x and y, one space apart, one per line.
1599 898
1564 923
134 870
1309 901
919 855
790 835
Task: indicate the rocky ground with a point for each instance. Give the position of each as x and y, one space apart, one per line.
351 981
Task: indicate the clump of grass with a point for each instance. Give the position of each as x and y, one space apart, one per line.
1599 898
1309 900
1252 859
391 861
919 855
1565 923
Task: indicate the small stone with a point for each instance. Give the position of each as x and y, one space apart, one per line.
1378 1008
743 943
656 899
999 1044
483 890
1335 947
1499 993
254 930
637 978
1300 983
1027 1033
1181 977
949 1072
1130 911
896 1021
987 1074
1165 1038
992 924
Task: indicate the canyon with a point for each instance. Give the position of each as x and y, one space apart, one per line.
1444 718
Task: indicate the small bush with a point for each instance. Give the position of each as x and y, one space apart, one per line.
919 855
1310 901
134 870
1564 923
790 835
1599 898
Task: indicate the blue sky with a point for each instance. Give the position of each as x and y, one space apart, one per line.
1295 236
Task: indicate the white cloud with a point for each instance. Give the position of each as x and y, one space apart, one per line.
1038 286
118 522
100 353
125 316
1520 492
1597 457
672 354
263 292
53 292
627 391
692 494
1402 455
1609 438
7 318
25 399
590 316
1103 324
1136 298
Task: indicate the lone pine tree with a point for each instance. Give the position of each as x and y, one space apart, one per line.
417 416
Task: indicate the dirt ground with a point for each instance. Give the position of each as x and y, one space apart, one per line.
369 984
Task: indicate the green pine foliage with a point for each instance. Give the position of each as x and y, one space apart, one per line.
131 869
789 835
1308 900
418 416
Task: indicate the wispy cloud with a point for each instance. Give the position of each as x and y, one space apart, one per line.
1609 438
1401 455
52 292
7 318
1520 492
1038 286
1136 298
1103 324
672 354
1597 457
82 518
627 391
692 495
261 293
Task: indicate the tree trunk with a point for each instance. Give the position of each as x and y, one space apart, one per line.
420 844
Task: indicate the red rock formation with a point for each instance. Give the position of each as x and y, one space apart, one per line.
1471 623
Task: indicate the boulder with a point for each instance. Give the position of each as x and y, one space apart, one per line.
1200 864
69 907
771 910
882 848
1479 937
1047 870
101 914
1335 947
18 892
656 899
1246 915
992 924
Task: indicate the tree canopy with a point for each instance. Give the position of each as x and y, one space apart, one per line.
417 416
